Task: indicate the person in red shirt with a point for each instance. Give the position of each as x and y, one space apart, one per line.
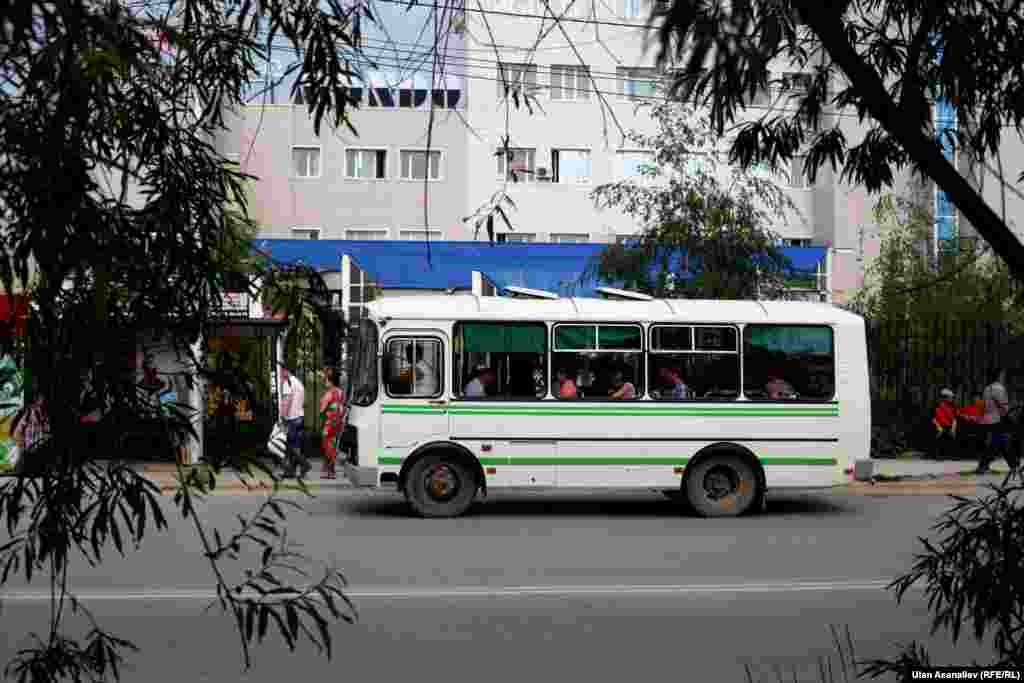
945 423
972 433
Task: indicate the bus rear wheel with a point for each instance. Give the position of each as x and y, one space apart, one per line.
722 485
440 486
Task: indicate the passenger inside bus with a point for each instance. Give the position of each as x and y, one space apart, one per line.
566 384
673 387
621 389
777 387
480 385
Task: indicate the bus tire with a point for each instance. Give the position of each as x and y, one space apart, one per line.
440 485
722 485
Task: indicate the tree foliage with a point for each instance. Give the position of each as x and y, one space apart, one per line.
112 190
689 201
928 304
884 60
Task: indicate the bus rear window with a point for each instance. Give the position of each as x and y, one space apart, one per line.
789 362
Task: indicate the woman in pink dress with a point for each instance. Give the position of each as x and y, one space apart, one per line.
332 408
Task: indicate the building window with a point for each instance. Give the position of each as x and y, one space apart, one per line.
366 164
788 362
796 82
761 170
305 233
599 361
367 235
416 234
413 368
763 96
411 98
306 162
382 97
516 77
302 96
632 165
520 162
570 83
694 362
696 164
792 174
414 164
632 9
796 242
571 166
637 83
501 360
517 237
570 237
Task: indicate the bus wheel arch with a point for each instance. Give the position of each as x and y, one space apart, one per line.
453 457
737 467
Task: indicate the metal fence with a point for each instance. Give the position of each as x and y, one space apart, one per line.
911 362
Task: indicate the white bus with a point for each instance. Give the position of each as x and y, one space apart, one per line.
719 400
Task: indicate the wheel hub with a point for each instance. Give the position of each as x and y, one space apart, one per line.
720 482
441 483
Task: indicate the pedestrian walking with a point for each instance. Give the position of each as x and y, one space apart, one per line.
293 400
997 404
333 409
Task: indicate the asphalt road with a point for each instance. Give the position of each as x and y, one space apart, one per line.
591 586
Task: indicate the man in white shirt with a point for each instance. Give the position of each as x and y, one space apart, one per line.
293 402
997 404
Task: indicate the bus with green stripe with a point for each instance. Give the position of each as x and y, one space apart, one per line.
716 402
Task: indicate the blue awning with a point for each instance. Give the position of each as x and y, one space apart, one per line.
398 264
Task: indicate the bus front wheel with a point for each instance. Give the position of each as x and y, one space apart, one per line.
722 485
440 486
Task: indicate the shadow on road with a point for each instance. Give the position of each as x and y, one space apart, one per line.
598 504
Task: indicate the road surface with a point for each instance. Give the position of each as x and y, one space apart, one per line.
542 586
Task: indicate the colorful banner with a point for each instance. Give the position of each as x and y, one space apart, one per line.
12 398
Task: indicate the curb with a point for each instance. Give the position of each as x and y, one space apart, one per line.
944 486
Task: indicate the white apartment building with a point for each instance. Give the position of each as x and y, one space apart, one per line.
585 77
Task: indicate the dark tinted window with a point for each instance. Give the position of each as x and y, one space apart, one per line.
788 362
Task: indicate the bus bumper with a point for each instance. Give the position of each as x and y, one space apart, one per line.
360 476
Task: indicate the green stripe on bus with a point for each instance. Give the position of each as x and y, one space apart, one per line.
784 411
675 462
490 462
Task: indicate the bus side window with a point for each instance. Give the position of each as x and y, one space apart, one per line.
788 362
500 360
413 368
694 362
598 362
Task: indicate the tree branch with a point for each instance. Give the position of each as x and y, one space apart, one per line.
828 26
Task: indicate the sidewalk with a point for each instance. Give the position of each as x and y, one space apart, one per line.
164 475
915 477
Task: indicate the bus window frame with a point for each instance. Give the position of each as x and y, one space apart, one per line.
414 339
795 401
694 351
642 351
548 340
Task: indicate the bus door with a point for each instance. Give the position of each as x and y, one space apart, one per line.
414 410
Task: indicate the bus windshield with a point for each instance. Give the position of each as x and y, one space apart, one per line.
362 370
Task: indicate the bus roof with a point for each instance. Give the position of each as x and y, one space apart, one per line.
472 307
